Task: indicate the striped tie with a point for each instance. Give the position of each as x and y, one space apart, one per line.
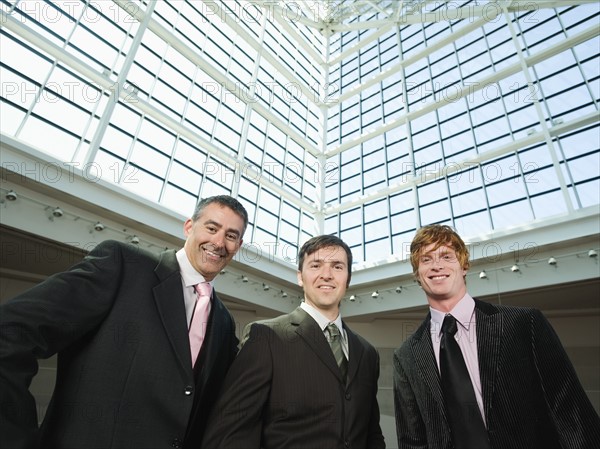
333 337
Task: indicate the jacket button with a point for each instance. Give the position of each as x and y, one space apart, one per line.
348 396
188 390
176 443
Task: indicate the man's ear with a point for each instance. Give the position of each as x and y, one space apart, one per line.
299 276
187 227
416 276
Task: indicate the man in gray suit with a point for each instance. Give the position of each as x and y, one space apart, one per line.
525 392
119 323
289 388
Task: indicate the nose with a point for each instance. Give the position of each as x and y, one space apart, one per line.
218 240
436 263
326 272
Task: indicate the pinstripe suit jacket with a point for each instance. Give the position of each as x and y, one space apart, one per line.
531 395
284 391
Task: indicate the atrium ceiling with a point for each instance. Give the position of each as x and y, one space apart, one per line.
366 119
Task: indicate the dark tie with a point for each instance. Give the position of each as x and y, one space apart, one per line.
464 416
333 337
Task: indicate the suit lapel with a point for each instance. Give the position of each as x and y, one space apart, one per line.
168 295
312 335
216 332
355 353
489 341
426 364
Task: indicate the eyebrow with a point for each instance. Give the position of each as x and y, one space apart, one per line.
219 225
334 261
442 252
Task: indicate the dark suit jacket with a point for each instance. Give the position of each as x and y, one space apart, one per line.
532 397
284 391
124 377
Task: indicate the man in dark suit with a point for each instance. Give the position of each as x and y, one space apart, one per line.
289 388
119 323
525 392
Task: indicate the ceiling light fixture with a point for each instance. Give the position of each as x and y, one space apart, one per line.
244 278
398 289
592 253
11 195
515 268
352 298
552 261
482 275
375 294
265 287
57 212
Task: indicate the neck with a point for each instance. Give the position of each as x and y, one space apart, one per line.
331 314
443 305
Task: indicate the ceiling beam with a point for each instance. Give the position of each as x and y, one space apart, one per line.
459 91
106 83
415 13
443 171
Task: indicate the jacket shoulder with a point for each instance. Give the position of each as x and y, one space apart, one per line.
258 329
510 311
421 331
274 324
122 249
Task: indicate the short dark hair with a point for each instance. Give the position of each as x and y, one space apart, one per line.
224 201
323 241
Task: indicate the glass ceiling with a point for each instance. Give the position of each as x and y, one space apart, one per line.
330 13
366 119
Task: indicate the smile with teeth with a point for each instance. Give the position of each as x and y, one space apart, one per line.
213 254
438 278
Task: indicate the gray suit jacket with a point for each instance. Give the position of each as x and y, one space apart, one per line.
532 397
124 376
284 391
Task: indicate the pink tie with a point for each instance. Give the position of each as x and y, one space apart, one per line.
200 318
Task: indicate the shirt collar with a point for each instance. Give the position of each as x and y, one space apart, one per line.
462 311
321 320
189 275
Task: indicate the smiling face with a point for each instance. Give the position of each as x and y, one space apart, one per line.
213 239
441 276
324 277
